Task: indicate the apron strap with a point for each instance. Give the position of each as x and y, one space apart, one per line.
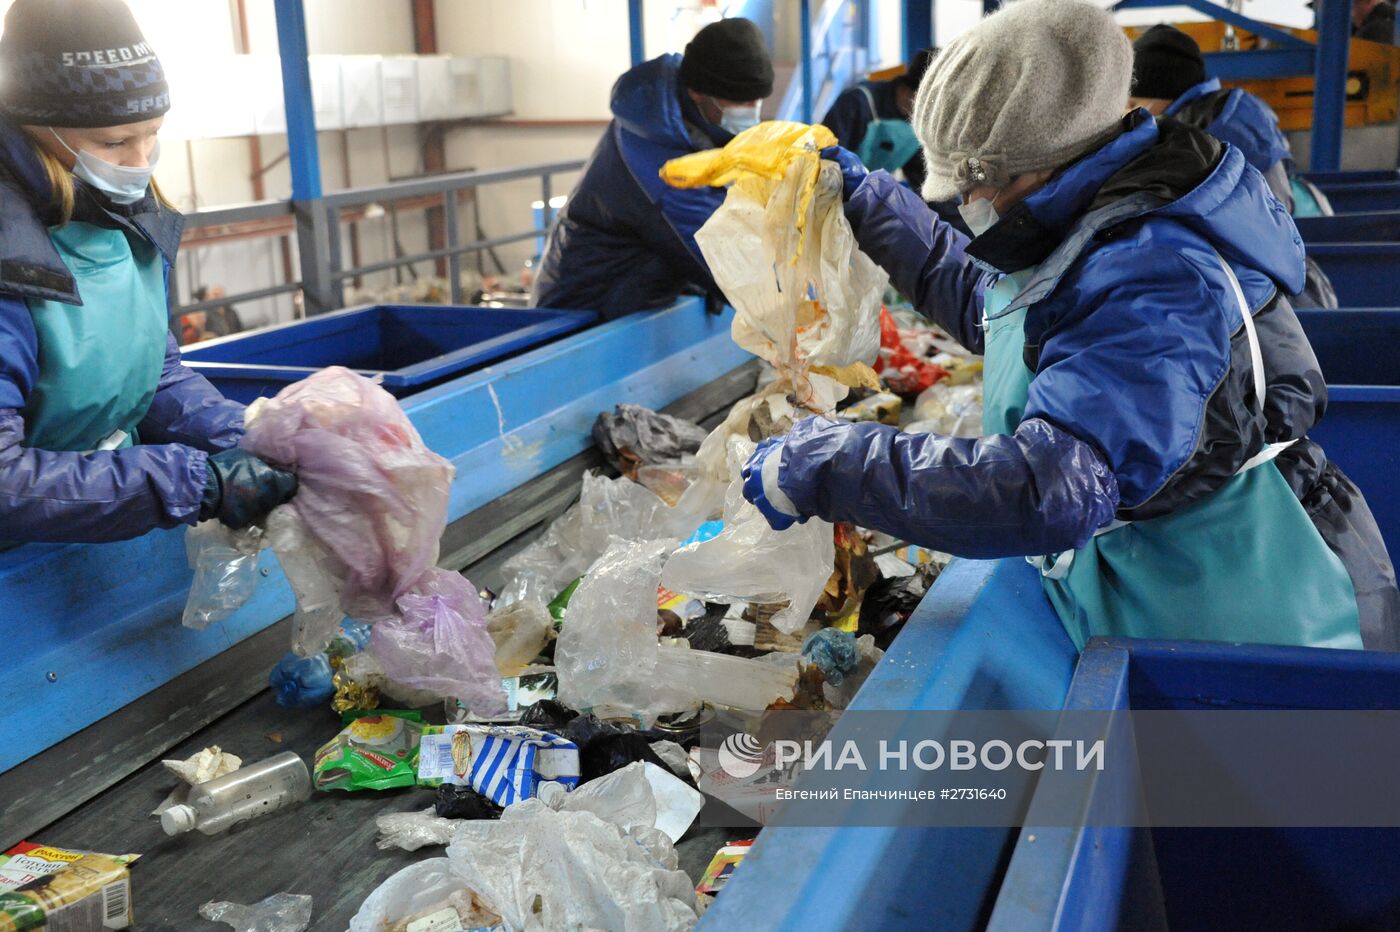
1256 356
1057 566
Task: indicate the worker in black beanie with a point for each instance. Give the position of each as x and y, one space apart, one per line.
625 241
104 435
1169 79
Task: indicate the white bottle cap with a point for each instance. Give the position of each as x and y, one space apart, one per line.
178 819
551 794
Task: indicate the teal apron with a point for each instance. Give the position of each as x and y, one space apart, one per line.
887 144
99 364
1243 564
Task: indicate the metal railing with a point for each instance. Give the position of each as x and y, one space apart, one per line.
839 55
318 231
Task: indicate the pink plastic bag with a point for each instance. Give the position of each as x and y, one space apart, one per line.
441 644
370 492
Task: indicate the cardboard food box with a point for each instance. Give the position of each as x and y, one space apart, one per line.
64 891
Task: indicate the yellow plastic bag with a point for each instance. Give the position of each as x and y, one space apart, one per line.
783 253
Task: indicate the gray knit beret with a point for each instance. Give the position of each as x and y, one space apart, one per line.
1030 88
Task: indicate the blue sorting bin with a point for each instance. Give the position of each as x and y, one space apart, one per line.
1090 878
1355 197
1377 227
1359 351
409 346
985 637
1326 180
1363 274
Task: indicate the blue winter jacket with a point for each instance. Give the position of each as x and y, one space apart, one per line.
625 241
1142 399
1236 117
104 496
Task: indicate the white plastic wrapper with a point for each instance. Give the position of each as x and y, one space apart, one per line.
750 562
308 570
282 912
545 870
413 830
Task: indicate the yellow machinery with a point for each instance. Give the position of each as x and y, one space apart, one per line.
1373 78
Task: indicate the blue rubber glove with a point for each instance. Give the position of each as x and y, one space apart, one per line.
853 170
763 493
241 489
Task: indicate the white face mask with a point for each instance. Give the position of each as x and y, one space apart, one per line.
123 185
737 119
980 216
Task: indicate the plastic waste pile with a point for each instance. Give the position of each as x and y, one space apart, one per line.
659 600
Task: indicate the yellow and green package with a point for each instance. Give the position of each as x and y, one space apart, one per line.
54 888
376 750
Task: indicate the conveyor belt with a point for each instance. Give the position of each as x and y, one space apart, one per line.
325 847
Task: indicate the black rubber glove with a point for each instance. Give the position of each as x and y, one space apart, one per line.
242 489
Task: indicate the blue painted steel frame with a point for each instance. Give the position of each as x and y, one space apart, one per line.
985 637
1330 87
917 26
303 154
804 65
105 620
636 31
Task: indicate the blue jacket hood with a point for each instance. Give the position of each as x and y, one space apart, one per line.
1234 116
1154 168
1234 209
646 101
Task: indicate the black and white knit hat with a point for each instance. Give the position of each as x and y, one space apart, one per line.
78 63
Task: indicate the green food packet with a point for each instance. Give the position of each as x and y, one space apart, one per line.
376 750
560 605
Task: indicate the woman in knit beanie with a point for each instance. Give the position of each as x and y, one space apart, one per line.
1148 387
104 435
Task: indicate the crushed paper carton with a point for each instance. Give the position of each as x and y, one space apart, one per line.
64 891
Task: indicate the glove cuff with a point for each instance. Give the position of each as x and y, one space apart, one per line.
213 491
772 491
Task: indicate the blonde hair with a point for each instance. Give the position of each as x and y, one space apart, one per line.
61 184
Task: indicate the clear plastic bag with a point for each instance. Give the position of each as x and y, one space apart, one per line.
751 562
282 912
423 891
410 831
607 508
545 870
309 570
950 410
225 564
607 649
370 493
439 643
520 631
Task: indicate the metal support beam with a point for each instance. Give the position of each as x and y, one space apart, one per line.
1330 85
636 31
320 290
1225 15
805 65
918 26
1260 64
296 90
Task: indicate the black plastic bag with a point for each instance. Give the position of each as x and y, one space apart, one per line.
634 436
